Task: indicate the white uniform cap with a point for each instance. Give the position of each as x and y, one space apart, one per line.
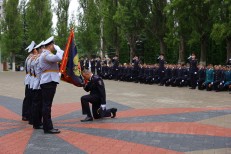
49 40
31 46
39 45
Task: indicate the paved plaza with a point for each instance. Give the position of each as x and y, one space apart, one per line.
151 119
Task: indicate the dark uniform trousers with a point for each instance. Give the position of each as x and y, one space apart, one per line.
48 93
37 107
200 84
193 77
95 101
26 103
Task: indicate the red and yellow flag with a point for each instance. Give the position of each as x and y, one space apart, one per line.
70 66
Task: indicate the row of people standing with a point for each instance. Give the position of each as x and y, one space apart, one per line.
42 77
216 78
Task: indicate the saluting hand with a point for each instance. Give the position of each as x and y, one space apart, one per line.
57 48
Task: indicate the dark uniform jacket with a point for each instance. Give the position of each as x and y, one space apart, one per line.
96 88
193 65
218 75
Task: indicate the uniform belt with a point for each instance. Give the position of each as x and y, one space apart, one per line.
46 71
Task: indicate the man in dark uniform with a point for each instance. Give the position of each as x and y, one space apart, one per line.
97 98
115 66
92 65
82 63
218 78
226 84
228 62
86 63
173 76
167 76
98 66
201 77
179 76
135 64
193 70
161 69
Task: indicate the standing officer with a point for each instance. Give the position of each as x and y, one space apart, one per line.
92 65
27 98
98 66
86 63
82 63
97 98
49 80
115 66
193 70
228 62
37 93
161 68
32 78
135 64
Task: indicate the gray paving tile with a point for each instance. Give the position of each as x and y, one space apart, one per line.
41 143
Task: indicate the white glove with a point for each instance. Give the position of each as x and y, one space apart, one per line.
103 107
195 72
60 74
57 48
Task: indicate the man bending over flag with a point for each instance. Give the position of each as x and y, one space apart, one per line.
71 72
97 98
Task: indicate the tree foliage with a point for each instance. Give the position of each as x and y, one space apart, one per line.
39 20
62 24
12 27
126 28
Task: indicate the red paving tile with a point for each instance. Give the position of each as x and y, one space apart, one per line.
101 145
161 111
62 109
15 143
7 114
161 127
70 120
8 127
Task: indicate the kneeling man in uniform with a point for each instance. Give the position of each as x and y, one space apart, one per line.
97 98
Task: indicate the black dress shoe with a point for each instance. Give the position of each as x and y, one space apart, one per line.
101 112
87 119
113 112
38 127
192 88
52 131
24 119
